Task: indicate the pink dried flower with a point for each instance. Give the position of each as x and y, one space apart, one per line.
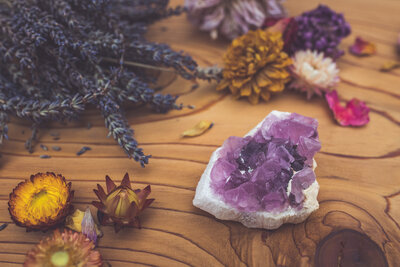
287 26
362 47
355 113
232 18
313 73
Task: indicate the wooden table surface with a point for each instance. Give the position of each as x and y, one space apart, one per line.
358 168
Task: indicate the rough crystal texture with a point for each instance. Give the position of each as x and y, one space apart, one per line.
268 170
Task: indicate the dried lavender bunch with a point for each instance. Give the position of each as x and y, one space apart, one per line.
58 56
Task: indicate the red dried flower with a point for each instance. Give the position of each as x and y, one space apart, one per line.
362 47
121 205
287 26
355 113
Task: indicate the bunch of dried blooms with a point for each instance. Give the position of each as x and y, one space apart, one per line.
59 56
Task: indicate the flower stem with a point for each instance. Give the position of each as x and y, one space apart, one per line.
136 64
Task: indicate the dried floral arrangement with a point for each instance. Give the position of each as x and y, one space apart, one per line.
59 56
297 53
43 203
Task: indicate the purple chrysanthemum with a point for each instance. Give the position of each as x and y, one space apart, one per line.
321 29
232 18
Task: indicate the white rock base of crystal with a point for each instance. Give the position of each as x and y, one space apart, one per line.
212 203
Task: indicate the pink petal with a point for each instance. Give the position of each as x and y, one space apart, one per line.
287 26
362 47
356 112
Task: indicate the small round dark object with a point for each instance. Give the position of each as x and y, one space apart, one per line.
349 248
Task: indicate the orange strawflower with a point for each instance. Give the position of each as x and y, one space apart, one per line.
41 202
121 205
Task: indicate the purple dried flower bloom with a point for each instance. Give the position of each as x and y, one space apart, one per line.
88 226
232 18
321 29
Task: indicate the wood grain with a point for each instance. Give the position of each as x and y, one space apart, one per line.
358 223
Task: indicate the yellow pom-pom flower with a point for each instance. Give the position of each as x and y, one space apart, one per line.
41 202
256 66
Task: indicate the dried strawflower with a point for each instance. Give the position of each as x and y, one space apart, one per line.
42 202
232 18
255 66
390 65
82 221
121 205
198 129
312 73
355 113
321 29
362 47
66 249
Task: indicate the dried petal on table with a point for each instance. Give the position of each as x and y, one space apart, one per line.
198 129
390 65
362 47
355 113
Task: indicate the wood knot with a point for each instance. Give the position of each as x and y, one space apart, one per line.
348 248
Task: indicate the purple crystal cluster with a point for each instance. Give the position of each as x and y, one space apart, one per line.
321 29
253 173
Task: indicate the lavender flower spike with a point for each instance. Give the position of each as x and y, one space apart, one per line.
88 226
232 18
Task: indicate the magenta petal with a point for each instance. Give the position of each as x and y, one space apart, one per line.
362 47
356 112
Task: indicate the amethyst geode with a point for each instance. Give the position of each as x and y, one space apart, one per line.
266 171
